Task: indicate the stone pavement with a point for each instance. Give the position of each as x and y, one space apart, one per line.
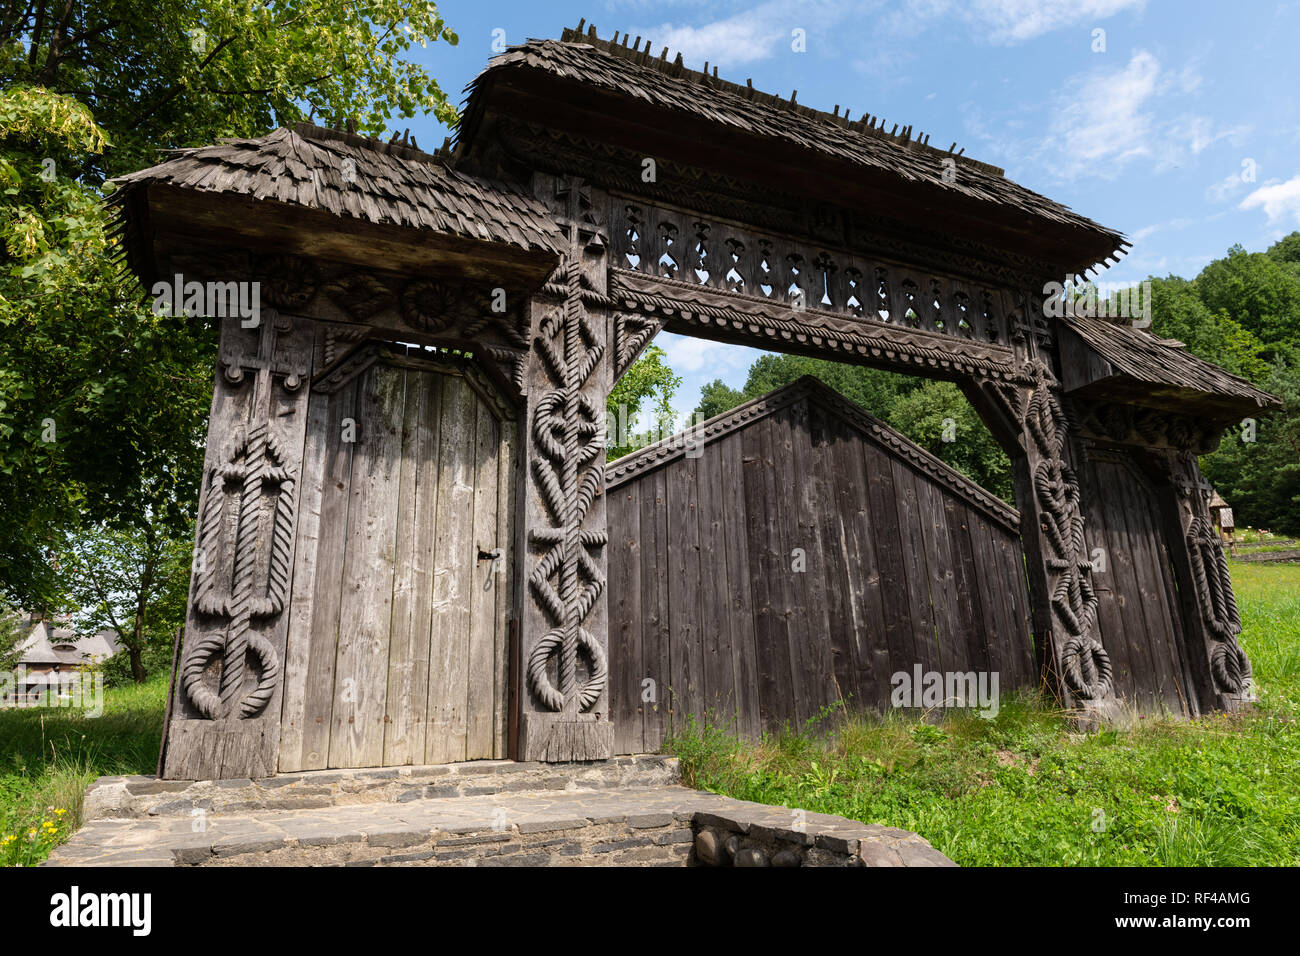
659 824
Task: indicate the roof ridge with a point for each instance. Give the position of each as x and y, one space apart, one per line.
810 386
402 150
866 125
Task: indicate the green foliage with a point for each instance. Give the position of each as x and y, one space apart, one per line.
1260 293
13 630
938 418
1260 479
102 403
716 397
1177 312
84 365
134 581
187 72
1021 789
648 379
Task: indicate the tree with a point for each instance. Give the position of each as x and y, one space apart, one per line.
13 631
1257 470
1256 290
84 364
874 389
715 398
938 418
133 581
186 72
1177 312
649 379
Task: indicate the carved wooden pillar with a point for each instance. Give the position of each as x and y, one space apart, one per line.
1211 622
226 717
1029 418
564 696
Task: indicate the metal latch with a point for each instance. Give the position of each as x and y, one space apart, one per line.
495 557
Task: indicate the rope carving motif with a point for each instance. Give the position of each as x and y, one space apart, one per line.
1228 662
236 596
1085 663
568 432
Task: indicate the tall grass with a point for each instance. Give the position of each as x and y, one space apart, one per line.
48 755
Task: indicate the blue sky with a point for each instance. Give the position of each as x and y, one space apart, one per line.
1179 124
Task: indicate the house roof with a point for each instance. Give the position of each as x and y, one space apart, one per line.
44 642
808 387
646 83
356 177
1138 366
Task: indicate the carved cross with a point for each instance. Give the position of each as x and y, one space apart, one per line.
267 362
576 208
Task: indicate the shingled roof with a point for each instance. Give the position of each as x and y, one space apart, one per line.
387 184
1157 367
641 77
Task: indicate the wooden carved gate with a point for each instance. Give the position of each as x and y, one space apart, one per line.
401 657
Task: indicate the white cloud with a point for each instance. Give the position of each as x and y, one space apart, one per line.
1279 200
747 37
1101 121
1005 22
1105 118
1225 188
1014 21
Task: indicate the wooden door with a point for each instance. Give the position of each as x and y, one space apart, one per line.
399 652
1137 610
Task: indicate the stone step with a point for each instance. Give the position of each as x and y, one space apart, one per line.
667 825
143 796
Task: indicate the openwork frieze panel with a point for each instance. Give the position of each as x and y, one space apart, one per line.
770 267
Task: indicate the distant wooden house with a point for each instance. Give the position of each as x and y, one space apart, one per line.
52 657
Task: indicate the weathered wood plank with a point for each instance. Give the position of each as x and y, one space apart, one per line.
740 604
625 616
819 687
452 573
481 653
506 582
715 620
862 545
361 675
318 467
656 630
408 568
685 654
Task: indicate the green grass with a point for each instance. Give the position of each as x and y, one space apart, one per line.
1022 789
49 754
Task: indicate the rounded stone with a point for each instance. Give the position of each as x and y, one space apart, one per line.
787 858
732 847
708 851
751 856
